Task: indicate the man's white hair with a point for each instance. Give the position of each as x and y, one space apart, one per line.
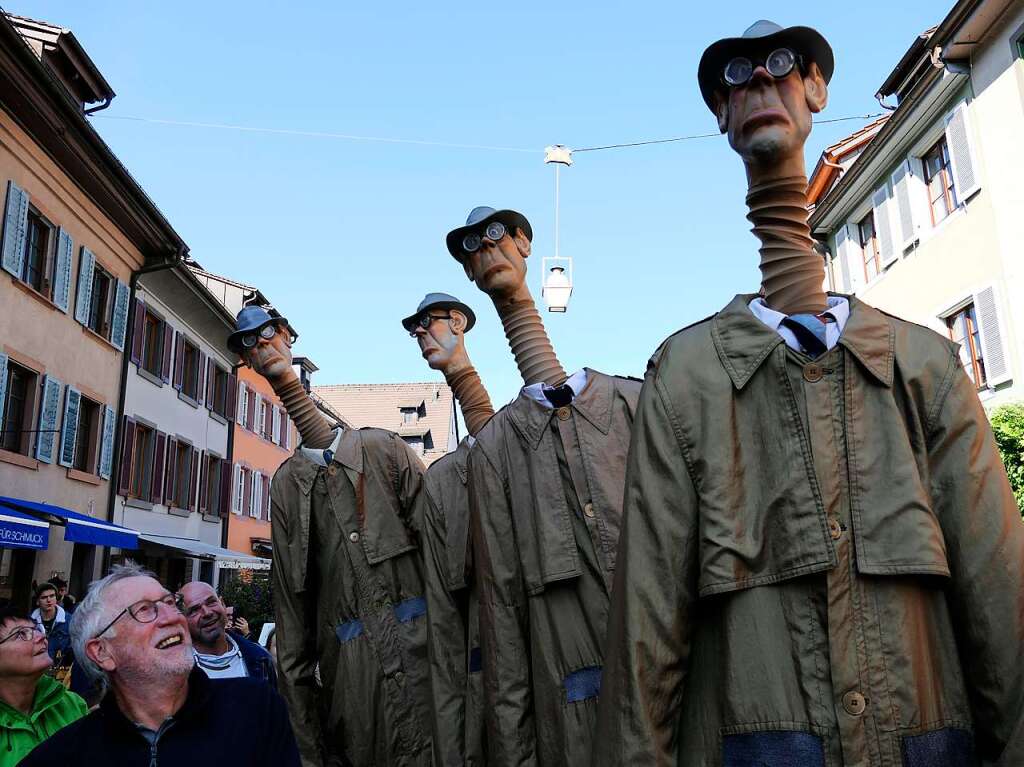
92 615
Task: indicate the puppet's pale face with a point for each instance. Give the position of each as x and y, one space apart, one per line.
499 268
271 358
443 342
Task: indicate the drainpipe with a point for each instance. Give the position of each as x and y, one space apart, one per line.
232 424
126 356
94 110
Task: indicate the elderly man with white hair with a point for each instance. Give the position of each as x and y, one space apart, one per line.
129 633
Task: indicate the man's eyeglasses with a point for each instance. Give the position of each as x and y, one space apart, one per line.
24 634
425 320
494 232
779 63
145 610
267 332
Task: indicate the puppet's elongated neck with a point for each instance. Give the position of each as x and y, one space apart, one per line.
792 273
529 340
472 396
315 430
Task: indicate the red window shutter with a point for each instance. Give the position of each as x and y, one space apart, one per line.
250 415
247 490
204 469
159 459
179 359
265 511
138 330
171 474
225 488
124 480
231 400
193 478
168 349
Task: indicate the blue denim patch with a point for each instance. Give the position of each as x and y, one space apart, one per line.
583 684
768 749
349 630
410 609
948 747
476 660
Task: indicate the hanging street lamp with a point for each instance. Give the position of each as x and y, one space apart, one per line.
557 284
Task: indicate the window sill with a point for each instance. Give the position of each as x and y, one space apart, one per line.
82 476
24 287
211 518
138 503
18 459
218 417
150 376
90 332
174 511
187 399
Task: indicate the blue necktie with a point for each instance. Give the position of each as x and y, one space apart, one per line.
809 331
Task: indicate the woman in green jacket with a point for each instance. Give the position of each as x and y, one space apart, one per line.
33 706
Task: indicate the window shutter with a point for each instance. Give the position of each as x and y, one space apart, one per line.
49 410
211 382
225 488
167 350
156 494
276 428
62 270
883 227
69 431
171 471
993 342
268 420
961 153
204 470
83 298
230 406
200 377
256 412
902 187
283 427
266 499
138 330
246 491
179 360
236 501
107 443
193 480
119 321
254 505
843 257
124 479
3 385
15 226
243 404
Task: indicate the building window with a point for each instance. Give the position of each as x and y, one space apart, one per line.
152 344
88 436
180 468
938 176
409 415
17 408
211 492
102 304
37 270
261 423
220 391
243 404
416 443
190 370
963 329
236 502
142 462
869 247
256 497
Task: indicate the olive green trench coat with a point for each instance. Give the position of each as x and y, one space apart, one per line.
545 503
453 612
348 595
821 561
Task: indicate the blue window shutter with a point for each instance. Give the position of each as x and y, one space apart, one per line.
83 299
119 322
49 409
62 271
107 448
15 224
69 431
3 381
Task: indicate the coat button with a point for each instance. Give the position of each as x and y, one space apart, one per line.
332 470
588 509
564 413
834 528
354 537
813 372
854 703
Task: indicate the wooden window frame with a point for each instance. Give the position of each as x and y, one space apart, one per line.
152 359
29 407
949 194
89 438
36 220
143 448
101 304
872 243
973 345
190 363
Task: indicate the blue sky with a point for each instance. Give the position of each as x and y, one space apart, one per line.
346 236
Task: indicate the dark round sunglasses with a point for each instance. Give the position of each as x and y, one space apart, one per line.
495 230
267 332
425 320
779 63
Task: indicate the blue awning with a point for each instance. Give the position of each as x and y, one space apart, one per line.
80 528
21 531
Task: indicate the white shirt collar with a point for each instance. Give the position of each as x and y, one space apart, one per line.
318 456
577 382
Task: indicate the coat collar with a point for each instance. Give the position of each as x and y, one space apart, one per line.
349 454
743 342
594 403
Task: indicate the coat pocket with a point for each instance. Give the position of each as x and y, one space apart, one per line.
948 747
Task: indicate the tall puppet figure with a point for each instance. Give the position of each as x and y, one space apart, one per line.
439 325
821 561
546 483
348 587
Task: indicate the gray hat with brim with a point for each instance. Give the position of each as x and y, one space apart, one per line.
439 301
479 218
764 37
249 320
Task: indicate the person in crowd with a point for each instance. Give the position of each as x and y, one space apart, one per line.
236 622
52 621
33 705
220 652
160 709
64 599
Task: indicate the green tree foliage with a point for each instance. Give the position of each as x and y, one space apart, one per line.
1008 427
248 591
